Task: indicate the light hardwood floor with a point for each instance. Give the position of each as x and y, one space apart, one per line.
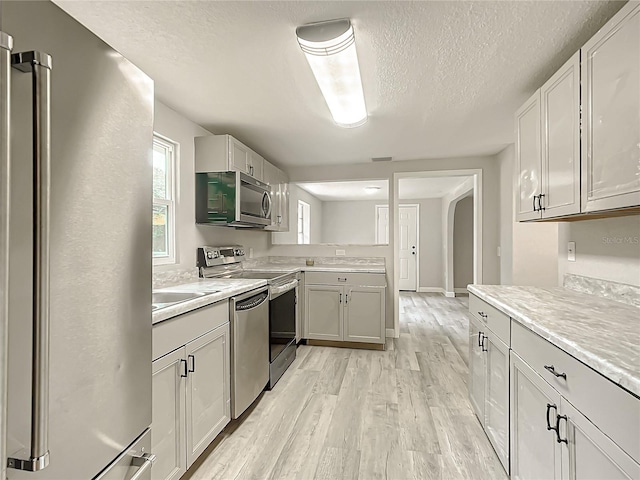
341 413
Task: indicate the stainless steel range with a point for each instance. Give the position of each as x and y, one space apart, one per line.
225 262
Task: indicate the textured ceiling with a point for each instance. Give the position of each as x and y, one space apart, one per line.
441 79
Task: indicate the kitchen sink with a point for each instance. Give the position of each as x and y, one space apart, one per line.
173 297
165 299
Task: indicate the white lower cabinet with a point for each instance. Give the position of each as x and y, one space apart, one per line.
324 313
208 390
535 452
587 453
191 401
489 386
349 313
496 393
476 368
552 439
168 427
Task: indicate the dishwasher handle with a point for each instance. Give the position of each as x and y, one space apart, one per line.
252 302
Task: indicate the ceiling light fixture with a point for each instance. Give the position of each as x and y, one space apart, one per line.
330 49
371 189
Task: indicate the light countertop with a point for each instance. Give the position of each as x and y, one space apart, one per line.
291 268
228 287
223 288
601 333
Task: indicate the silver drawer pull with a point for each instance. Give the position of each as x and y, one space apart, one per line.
552 369
482 314
341 279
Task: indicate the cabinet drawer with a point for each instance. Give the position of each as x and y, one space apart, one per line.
339 278
493 318
178 331
612 409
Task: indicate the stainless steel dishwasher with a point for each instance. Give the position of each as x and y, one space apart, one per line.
249 315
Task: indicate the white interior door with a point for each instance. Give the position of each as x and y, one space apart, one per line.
382 224
408 247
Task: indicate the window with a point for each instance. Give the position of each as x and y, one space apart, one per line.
304 222
164 166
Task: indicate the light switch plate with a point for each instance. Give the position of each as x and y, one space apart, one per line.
571 251
340 253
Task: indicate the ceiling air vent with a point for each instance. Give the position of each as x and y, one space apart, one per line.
381 159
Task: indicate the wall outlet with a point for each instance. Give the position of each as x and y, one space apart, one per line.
571 251
340 253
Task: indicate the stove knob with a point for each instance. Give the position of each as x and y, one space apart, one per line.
210 255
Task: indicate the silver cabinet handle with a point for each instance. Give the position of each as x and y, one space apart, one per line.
39 65
145 462
6 44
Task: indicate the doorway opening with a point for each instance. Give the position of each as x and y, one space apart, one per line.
448 239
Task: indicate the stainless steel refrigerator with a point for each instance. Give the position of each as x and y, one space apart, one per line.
76 129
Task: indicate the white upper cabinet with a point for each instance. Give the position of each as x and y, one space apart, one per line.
528 166
279 183
578 136
560 136
219 153
611 114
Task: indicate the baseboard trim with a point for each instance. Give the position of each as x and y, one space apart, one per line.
391 333
461 291
430 290
450 294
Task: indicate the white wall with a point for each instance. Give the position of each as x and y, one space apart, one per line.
189 236
608 249
349 222
463 243
529 249
506 160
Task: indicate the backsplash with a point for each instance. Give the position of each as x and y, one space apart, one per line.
162 279
619 292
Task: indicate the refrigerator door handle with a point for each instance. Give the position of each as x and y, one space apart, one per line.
39 65
6 45
145 462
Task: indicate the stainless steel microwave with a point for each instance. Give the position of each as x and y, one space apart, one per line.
233 199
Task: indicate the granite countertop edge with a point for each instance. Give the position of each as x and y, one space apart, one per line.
224 292
603 366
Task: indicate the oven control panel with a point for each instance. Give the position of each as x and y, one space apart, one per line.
212 256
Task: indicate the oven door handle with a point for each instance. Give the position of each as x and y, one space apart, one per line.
276 291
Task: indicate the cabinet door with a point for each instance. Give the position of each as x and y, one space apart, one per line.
560 108
535 453
364 319
476 368
256 165
528 159
324 312
208 389
496 395
284 205
298 316
611 109
238 156
168 424
590 454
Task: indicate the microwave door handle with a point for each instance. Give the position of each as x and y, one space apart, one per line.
266 198
6 44
38 64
